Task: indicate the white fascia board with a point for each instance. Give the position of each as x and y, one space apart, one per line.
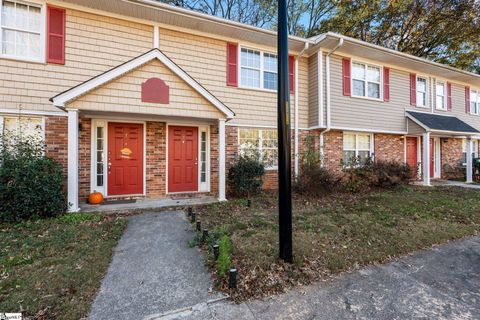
62 99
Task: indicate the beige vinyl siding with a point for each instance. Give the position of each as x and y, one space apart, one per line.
124 95
205 60
313 87
93 45
368 114
414 128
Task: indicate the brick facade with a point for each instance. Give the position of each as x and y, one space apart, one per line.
84 158
389 147
451 153
56 141
333 150
156 161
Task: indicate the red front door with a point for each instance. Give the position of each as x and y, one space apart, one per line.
432 158
182 159
125 158
412 159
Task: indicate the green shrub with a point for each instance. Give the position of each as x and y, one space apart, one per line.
223 262
31 184
246 176
374 174
312 178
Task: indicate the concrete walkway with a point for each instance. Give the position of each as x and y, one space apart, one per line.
441 283
153 270
451 183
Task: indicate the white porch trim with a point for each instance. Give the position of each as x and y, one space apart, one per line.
469 168
221 160
426 159
73 160
62 99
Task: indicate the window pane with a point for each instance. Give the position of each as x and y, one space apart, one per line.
250 78
34 19
8 14
348 142
21 16
348 155
100 180
270 80
364 155
440 89
270 158
358 71
364 142
250 58
421 85
8 42
421 98
249 142
373 74
374 90
440 101
358 88
270 62
269 139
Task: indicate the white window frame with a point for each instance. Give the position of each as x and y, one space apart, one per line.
260 144
356 150
477 102
41 33
205 185
417 91
366 82
262 69
445 95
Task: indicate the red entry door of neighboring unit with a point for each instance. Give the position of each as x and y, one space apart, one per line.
412 159
125 158
432 158
182 159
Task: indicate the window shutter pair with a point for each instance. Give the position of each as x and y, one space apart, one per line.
232 67
55 35
347 77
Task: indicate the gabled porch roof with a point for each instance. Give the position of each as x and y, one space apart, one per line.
441 124
63 98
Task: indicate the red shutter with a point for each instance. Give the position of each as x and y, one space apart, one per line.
413 89
386 84
467 99
346 77
55 35
232 64
291 73
449 96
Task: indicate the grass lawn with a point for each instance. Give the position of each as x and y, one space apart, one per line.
338 232
52 268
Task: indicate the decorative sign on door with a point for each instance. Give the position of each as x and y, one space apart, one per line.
155 90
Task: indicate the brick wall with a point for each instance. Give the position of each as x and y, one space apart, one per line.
156 153
451 155
84 156
56 141
333 150
214 159
389 147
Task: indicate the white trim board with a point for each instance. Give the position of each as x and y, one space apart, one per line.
65 97
25 112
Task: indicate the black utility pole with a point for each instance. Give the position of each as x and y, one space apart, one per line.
284 156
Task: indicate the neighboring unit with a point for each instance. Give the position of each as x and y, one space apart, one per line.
139 99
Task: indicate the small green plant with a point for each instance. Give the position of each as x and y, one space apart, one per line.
246 176
223 262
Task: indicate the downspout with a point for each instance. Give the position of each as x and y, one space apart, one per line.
295 106
327 93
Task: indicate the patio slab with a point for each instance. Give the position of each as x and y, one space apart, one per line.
147 204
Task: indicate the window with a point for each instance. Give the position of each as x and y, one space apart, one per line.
21 30
366 80
464 150
258 69
23 127
203 156
100 156
421 92
260 143
440 95
356 146
475 102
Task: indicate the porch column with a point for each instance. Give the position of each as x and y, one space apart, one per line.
469 160
73 160
426 159
221 160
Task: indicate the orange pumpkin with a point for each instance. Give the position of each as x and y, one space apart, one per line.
95 198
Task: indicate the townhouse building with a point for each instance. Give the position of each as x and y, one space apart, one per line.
139 99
